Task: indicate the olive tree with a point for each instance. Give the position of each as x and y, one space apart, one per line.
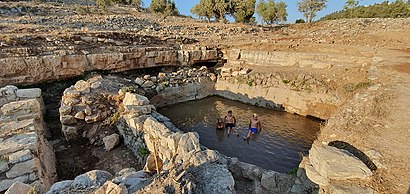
309 8
271 12
350 5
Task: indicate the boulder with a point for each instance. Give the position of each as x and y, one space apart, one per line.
23 107
4 166
60 186
92 178
276 182
70 101
131 179
348 189
70 132
18 142
148 84
29 93
188 143
213 178
147 77
67 120
337 164
96 85
20 156
245 170
80 115
6 183
88 111
111 141
202 157
82 86
65 110
139 81
135 100
111 188
244 71
20 188
21 169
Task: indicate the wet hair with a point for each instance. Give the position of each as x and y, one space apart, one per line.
230 111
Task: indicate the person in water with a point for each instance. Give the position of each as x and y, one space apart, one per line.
255 126
220 124
230 123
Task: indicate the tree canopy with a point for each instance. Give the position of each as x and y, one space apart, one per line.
166 7
309 8
241 10
271 12
396 9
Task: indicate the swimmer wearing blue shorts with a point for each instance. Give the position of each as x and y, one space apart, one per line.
254 126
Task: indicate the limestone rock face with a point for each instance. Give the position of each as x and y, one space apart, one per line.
213 178
111 141
19 188
337 164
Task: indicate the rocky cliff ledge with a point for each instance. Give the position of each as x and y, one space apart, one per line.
95 52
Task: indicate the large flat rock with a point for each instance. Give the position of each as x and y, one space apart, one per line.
337 164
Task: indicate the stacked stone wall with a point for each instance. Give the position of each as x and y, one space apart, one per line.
26 156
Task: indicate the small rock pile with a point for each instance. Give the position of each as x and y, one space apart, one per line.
175 79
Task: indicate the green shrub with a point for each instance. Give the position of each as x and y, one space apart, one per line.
103 3
143 151
300 21
128 89
362 85
293 171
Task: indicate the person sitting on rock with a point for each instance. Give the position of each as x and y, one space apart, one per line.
255 126
230 123
220 124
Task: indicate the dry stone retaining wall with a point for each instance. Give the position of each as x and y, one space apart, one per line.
26 156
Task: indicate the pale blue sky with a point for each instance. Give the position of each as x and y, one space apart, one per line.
185 6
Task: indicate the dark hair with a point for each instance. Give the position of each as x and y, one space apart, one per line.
230 111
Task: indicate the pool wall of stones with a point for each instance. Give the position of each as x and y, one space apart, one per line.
96 101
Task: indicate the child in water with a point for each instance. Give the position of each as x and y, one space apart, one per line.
220 124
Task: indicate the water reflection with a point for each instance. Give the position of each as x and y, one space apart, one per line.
276 147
